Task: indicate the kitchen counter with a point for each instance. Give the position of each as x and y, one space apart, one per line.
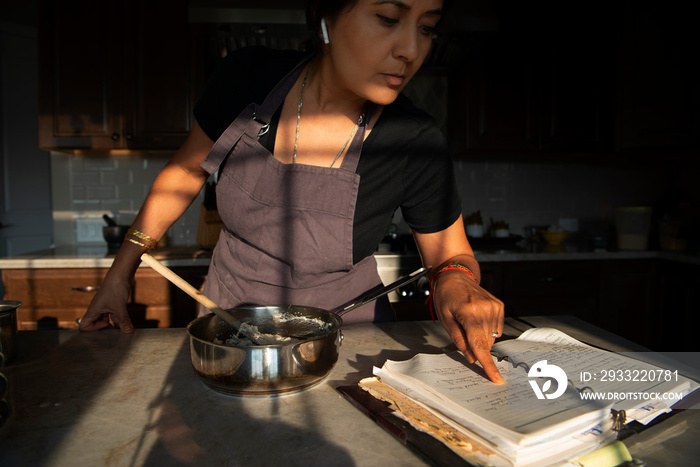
101 257
110 399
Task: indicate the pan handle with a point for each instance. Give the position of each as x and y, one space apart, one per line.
415 275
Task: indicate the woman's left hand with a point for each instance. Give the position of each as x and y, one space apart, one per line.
471 316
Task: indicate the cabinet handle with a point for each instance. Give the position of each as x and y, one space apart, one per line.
547 279
115 136
88 288
129 137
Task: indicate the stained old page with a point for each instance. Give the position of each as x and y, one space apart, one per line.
466 445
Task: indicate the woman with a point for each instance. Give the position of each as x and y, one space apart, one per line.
303 212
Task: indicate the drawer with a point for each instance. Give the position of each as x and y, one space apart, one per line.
32 318
57 297
52 287
76 287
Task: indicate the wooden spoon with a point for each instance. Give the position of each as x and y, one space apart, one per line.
201 298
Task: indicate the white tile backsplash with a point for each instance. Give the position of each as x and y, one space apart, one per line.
524 192
86 187
520 192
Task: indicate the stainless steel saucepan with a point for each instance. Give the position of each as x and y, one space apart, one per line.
300 362
263 350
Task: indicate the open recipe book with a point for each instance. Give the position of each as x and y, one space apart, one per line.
556 405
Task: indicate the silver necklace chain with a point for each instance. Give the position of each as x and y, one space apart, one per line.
296 134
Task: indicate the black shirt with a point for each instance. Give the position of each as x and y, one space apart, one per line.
404 161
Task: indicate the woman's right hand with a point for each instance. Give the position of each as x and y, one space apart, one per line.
108 307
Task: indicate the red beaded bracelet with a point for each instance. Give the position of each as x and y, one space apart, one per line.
454 266
457 267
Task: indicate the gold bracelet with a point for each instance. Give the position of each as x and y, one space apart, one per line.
136 242
149 244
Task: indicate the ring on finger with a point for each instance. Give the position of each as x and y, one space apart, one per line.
494 335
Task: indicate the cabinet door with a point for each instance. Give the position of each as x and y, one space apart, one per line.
677 320
159 74
576 104
628 300
576 79
79 57
117 74
537 85
492 100
659 91
552 288
492 278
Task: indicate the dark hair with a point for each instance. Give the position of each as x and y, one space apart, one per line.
331 9
318 9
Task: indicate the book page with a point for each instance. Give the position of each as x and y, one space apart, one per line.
462 392
552 336
626 379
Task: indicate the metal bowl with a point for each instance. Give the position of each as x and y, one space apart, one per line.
114 235
261 370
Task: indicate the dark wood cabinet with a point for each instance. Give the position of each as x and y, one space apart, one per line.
492 277
117 74
629 300
537 85
649 301
491 104
575 99
678 317
551 288
659 89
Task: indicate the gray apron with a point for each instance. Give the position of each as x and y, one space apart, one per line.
288 228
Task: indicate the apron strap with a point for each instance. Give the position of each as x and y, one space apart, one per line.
228 139
276 97
253 117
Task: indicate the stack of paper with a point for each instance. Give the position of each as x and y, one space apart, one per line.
539 416
449 387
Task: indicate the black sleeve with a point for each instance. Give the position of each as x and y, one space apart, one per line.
431 199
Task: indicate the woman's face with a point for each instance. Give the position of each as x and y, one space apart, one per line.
378 45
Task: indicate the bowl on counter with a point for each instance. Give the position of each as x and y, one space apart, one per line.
554 237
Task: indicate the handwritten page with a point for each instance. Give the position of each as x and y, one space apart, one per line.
598 370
